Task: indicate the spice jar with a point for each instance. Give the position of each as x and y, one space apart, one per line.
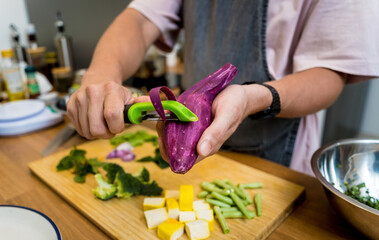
63 79
33 87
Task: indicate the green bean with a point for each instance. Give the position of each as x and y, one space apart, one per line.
216 202
251 213
258 205
248 198
221 220
210 187
240 205
203 194
251 185
209 196
222 198
234 214
224 192
221 183
236 190
231 209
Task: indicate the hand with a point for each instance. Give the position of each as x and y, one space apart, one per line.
229 108
96 108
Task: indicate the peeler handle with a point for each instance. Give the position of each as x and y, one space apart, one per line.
134 113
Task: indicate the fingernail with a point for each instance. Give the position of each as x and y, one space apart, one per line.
205 148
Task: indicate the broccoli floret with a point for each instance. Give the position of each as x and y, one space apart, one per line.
127 185
96 164
104 190
112 170
75 157
151 189
143 175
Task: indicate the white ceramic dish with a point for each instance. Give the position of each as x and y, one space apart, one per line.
22 223
17 110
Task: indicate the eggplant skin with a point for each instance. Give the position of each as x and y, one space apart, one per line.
180 139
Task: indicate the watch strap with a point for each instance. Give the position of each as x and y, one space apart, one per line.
274 108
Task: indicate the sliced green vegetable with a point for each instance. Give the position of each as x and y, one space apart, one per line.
210 187
251 185
240 205
235 189
234 214
247 196
222 184
221 220
135 139
157 159
258 204
222 198
231 209
216 202
203 194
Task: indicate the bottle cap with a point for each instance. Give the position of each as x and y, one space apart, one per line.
30 28
7 53
30 69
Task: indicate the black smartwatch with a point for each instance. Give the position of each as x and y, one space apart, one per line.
271 111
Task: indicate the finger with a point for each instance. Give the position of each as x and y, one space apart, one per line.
97 125
162 148
81 105
216 134
72 113
114 103
142 99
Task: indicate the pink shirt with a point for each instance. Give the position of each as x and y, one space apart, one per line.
339 35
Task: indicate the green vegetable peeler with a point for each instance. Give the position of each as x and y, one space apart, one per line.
137 112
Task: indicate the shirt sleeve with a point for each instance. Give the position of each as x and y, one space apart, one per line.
342 36
165 15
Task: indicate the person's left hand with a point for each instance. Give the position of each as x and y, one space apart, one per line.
229 108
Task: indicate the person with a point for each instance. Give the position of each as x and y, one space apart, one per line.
303 51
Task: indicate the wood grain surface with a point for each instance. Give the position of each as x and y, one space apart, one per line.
124 219
314 219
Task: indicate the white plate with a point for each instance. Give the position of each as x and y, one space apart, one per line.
22 223
17 110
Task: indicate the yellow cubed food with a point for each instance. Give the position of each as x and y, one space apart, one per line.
207 215
185 197
197 230
187 216
171 194
153 203
174 213
170 230
172 208
172 203
155 217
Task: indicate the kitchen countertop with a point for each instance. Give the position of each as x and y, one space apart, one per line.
313 219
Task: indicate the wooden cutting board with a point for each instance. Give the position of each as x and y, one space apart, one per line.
124 219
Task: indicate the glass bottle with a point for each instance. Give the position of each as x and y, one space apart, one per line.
62 44
32 36
12 76
18 49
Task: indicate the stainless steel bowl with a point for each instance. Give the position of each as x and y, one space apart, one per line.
353 161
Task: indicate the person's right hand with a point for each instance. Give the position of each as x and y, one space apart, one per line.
96 108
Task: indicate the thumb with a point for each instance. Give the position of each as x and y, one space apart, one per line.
211 140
